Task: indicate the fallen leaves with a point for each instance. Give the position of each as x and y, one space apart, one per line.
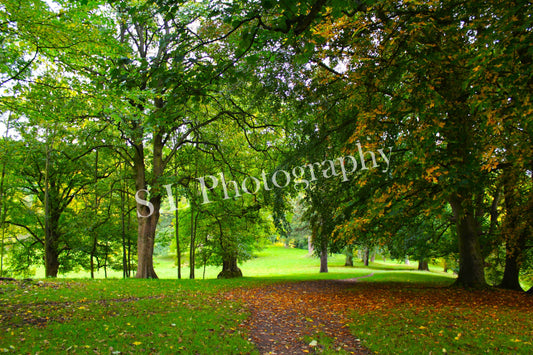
284 315
437 318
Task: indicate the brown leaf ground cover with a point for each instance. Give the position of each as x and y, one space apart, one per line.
286 317
328 315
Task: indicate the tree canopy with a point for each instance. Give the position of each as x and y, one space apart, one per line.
404 126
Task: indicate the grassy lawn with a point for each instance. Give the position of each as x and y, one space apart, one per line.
121 316
401 311
272 261
414 328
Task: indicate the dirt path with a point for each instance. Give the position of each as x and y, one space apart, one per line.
287 317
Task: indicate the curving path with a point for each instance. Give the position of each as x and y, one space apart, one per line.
286 317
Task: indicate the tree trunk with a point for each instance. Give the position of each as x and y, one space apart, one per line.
230 269
130 266
514 248
147 214
349 260
178 249
177 225
310 248
2 228
471 270
52 234
3 201
93 252
324 259
51 258
511 273
192 245
123 230
95 210
145 245
514 232
146 238
373 258
51 255
92 262
366 256
423 265
349 255
105 259
324 254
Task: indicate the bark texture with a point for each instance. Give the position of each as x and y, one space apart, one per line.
515 233
230 270
423 265
349 256
471 267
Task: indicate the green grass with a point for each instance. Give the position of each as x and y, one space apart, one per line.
426 320
122 316
272 262
449 329
405 311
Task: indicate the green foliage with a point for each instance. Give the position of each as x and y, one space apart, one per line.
167 92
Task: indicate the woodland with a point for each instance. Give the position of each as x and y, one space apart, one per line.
402 128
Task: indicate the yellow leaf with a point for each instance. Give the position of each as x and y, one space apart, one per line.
137 343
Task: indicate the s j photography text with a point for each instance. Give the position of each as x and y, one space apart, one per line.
301 176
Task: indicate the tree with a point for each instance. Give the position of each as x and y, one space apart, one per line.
166 81
54 179
411 79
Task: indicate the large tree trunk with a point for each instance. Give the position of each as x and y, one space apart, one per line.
147 219
51 253
145 246
230 269
465 185
51 257
324 260
51 248
471 268
52 234
511 272
366 256
423 265
148 215
514 232
349 255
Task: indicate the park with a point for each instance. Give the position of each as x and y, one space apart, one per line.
266 177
